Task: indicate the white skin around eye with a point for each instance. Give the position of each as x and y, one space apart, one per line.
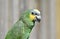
37 11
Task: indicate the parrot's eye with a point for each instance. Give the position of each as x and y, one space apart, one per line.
32 13
36 14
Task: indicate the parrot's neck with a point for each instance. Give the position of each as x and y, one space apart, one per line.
28 23
26 20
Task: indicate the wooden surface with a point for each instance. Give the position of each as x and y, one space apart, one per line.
58 18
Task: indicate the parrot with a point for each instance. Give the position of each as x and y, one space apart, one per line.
24 25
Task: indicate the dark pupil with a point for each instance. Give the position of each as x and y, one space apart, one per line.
35 13
32 13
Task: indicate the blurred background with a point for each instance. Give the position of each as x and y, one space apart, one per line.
49 26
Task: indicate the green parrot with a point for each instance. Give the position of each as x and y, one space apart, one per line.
23 27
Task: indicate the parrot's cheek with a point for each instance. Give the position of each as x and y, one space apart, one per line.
32 17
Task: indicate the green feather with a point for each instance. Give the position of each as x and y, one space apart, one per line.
22 28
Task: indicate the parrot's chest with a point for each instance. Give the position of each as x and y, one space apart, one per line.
24 30
19 31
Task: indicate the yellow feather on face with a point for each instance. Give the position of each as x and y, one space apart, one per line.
32 17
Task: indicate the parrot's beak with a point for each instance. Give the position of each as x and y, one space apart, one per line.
38 18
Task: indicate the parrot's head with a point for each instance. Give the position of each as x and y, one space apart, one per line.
35 15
